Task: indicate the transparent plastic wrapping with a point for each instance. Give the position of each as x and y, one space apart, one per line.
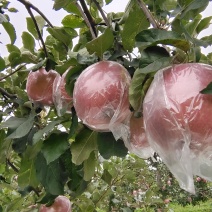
178 121
136 140
39 86
101 97
62 100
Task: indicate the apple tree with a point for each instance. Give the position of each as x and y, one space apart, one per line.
46 149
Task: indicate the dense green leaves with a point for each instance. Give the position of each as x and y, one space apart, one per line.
44 155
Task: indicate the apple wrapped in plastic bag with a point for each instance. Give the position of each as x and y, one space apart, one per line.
101 97
178 121
39 86
62 100
136 140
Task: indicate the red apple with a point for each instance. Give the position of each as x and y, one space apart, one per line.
61 204
101 95
39 86
138 140
62 100
178 120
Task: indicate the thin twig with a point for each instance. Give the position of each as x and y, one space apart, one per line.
30 5
38 31
19 68
148 13
87 17
102 12
12 166
5 93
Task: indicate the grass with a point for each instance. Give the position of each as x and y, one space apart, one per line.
202 207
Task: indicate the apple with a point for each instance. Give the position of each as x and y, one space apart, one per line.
101 95
139 144
39 86
62 100
178 120
61 204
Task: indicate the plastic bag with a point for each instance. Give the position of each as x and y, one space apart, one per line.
39 87
135 137
62 100
101 97
178 121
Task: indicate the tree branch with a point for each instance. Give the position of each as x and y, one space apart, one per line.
30 5
102 13
148 13
5 93
19 68
12 166
87 17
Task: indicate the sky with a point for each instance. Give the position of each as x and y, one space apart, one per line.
19 19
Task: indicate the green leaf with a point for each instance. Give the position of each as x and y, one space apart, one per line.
73 21
204 24
85 143
54 146
31 26
141 81
2 64
150 54
28 57
89 166
13 122
208 89
14 59
192 26
12 48
108 1
19 145
51 176
108 146
27 174
194 5
10 30
37 136
58 4
152 37
101 44
107 177
28 41
60 34
4 146
72 8
23 128
135 23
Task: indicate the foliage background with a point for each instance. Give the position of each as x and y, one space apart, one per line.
43 155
